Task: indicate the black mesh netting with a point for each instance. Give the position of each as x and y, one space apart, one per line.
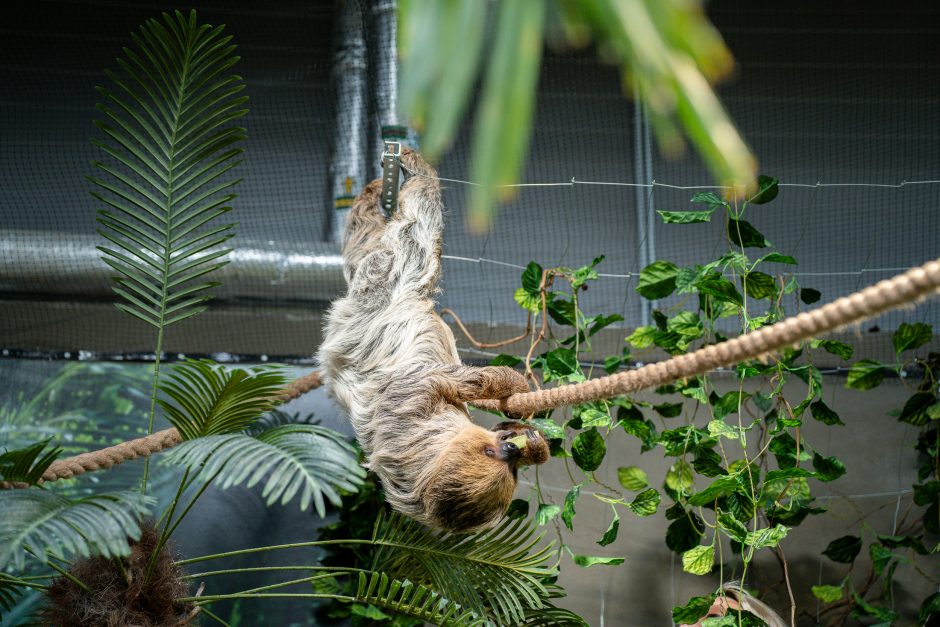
839 102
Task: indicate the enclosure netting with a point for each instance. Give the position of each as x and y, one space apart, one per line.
840 103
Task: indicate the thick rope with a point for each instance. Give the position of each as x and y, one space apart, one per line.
901 290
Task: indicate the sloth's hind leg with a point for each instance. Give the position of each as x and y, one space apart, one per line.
365 225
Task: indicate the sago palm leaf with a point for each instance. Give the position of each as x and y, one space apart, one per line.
404 597
498 574
209 399
26 465
10 590
101 524
169 144
290 459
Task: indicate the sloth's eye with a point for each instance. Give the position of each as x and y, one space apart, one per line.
490 452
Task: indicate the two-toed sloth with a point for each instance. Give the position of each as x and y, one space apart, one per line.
392 363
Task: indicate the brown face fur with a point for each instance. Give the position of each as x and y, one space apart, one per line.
473 481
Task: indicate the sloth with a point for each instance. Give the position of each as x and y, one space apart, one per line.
392 364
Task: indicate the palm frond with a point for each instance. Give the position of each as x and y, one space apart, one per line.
100 524
10 590
405 597
290 459
209 399
26 465
168 145
549 616
497 574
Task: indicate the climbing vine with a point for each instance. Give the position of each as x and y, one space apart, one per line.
741 474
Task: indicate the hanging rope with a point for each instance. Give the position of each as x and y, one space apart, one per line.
904 289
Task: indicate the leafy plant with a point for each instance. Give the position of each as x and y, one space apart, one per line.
27 465
666 48
721 491
167 122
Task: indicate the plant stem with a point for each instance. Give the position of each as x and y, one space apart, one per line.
283 595
58 569
218 619
153 395
262 549
339 570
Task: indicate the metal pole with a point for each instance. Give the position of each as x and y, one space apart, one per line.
383 49
348 166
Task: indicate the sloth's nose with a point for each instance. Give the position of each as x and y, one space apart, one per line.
510 451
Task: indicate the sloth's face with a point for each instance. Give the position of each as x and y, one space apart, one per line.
474 479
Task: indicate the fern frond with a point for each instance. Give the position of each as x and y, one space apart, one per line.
497 574
10 590
209 399
26 465
101 524
168 144
550 616
290 459
404 597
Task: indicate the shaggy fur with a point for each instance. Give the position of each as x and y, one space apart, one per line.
392 363
120 597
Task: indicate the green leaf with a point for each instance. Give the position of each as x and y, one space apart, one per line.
642 337
527 301
532 279
679 477
693 611
729 403
864 608
518 508
743 234
911 336
769 536
929 608
720 289
568 513
101 524
645 503
611 534
824 414
167 126
632 478
546 513
732 526
712 199
27 464
759 285
207 399
586 561
684 532
561 362
588 450
809 296
549 428
562 311
828 594
718 428
668 410
708 463
699 560
844 550
767 190
657 280
833 347
591 417
721 486
291 459
778 258
827 468
505 360
865 375
916 409
504 116
685 217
